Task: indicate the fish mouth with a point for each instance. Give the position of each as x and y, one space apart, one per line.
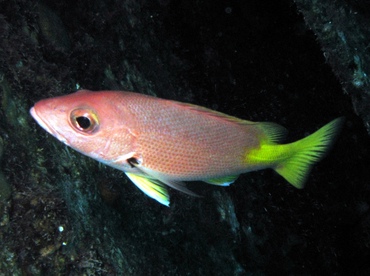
47 127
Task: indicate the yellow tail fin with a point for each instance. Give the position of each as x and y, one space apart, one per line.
296 159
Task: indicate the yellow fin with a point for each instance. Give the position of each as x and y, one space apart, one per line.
159 178
151 187
274 133
222 181
305 152
294 161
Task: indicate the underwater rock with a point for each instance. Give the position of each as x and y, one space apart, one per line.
109 190
5 192
253 60
52 28
343 30
5 188
1 147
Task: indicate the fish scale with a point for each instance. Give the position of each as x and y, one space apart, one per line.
160 143
181 145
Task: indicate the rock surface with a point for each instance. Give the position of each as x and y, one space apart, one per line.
68 215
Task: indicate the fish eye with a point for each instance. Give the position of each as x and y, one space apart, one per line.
84 120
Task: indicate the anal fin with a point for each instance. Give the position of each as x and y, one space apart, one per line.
222 181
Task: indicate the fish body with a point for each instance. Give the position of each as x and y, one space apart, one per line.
160 143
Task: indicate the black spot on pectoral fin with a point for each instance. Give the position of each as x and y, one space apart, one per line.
133 162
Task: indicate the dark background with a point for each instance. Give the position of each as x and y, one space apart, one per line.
257 60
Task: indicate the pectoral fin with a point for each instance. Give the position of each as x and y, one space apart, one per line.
151 187
160 178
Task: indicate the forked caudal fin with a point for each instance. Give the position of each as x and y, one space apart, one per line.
294 161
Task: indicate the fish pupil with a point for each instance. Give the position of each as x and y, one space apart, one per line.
83 122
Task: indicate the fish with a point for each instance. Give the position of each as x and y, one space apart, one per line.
160 143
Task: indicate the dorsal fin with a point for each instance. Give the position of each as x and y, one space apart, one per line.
274 133
209 112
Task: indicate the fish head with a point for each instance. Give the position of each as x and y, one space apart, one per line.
93 123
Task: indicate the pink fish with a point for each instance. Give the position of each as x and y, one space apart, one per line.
159 142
